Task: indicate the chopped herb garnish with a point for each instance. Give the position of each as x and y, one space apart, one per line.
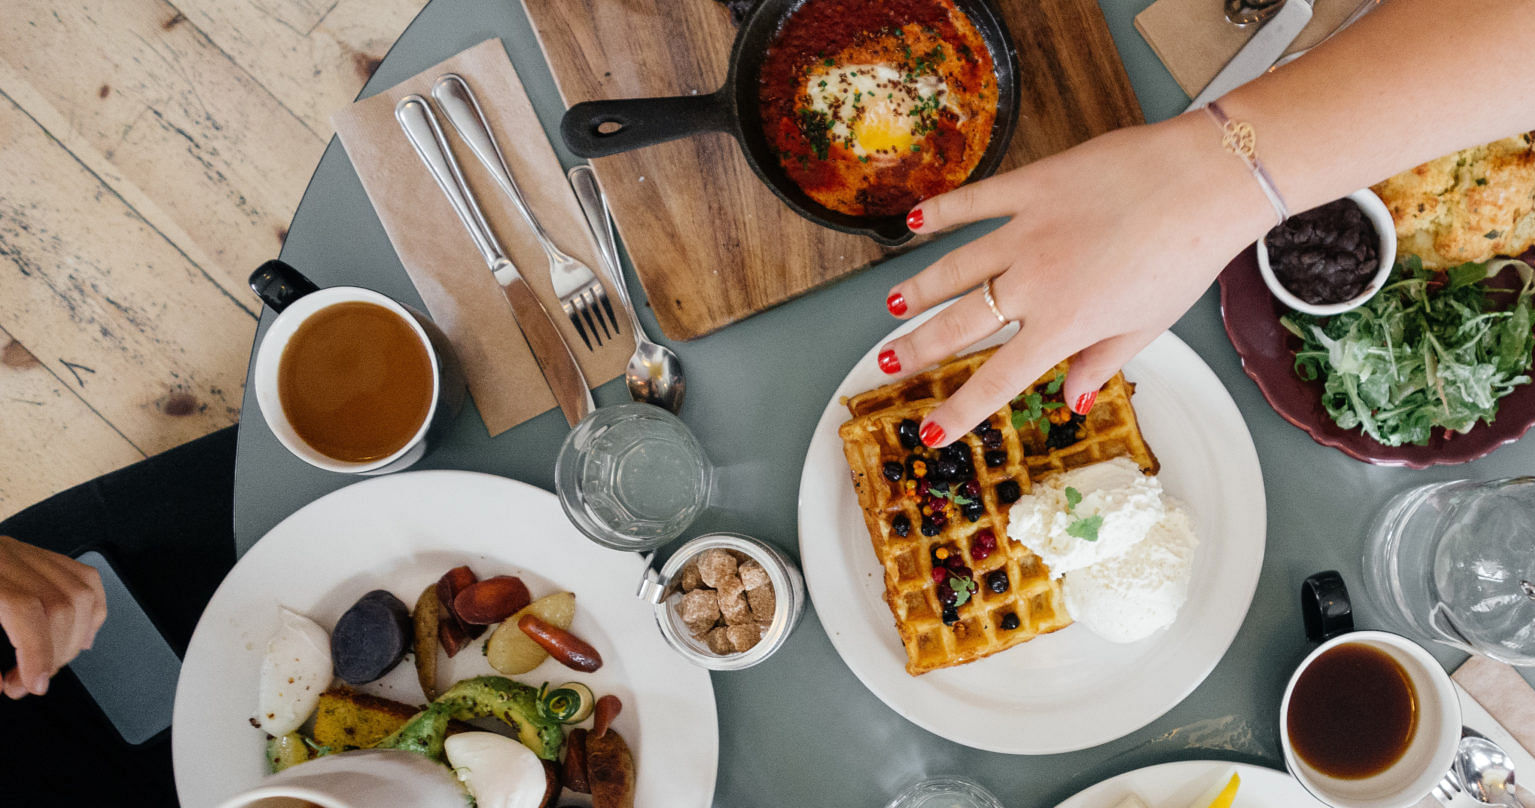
1492 234
816 125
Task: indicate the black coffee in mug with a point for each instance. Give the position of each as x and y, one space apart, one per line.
1353 712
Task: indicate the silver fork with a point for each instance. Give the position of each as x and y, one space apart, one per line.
581 294
1448 788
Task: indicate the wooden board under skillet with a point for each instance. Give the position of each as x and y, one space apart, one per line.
711 244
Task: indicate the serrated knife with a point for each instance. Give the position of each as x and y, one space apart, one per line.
554 358
1260 52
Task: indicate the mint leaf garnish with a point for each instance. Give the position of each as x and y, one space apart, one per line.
1073 498
962 587
1086 528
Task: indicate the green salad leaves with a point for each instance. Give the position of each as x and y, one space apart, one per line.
1431 349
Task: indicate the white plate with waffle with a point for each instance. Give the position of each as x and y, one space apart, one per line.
1070 689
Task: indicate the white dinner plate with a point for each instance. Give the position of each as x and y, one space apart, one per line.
1177 785
1068 690
401 533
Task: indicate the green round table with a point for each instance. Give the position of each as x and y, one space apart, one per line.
800 729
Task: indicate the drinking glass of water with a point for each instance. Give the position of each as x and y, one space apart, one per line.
632 477
1455 562
951 791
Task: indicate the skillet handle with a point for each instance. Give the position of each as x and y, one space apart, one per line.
640 122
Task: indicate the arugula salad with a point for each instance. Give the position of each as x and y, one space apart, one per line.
1431 349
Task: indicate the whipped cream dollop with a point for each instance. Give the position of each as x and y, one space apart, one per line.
1125 551
1131 597
1118 506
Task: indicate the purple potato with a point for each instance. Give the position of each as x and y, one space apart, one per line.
371 638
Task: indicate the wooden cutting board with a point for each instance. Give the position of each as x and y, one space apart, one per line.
711 244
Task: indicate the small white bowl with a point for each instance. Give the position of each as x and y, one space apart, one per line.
1374 210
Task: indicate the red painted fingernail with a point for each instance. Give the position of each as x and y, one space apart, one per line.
888 362
931 434
1085 403
896 303
914 220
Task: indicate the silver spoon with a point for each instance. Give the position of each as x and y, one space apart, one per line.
654 374
1243 13
1487 772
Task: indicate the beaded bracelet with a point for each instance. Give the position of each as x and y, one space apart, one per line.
1238 138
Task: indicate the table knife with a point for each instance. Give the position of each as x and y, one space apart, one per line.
555 360
1265 47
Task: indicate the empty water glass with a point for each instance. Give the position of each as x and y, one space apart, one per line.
1455 562
949 791
632 477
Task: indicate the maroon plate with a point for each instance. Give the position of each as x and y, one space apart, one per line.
1251 316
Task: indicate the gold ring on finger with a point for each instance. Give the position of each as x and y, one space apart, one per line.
991 303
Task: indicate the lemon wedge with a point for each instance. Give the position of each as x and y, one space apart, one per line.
1227 796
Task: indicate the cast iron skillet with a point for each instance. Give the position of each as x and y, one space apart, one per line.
640 122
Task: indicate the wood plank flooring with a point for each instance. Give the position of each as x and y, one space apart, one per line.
151 155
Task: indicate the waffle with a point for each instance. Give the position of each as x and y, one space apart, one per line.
975 628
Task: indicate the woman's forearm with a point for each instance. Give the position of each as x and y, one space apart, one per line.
1411 81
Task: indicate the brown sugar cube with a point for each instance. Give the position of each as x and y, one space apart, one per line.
762 602
714 566
730 586
718 641
735 610
744 636
689 580
700 609
753 576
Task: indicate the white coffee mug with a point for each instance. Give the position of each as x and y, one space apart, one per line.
364 779
297 299
1430 752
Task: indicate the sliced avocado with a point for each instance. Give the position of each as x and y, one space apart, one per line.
513 703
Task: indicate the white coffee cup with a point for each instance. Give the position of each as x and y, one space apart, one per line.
1429 754
296 300
363 779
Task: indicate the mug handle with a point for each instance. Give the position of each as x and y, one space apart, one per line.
279 284
1325 607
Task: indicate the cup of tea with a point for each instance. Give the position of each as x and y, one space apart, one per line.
350 380
1369 719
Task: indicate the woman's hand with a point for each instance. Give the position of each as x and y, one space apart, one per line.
1107 245
50 608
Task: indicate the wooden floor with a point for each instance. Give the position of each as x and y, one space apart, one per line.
151 155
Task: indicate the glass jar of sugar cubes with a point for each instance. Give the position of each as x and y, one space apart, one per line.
726 601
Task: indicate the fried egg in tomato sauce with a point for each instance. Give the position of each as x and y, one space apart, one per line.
874 105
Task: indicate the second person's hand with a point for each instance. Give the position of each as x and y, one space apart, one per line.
1106 245
51 607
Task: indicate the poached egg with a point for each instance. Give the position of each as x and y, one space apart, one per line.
876 110
294 672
